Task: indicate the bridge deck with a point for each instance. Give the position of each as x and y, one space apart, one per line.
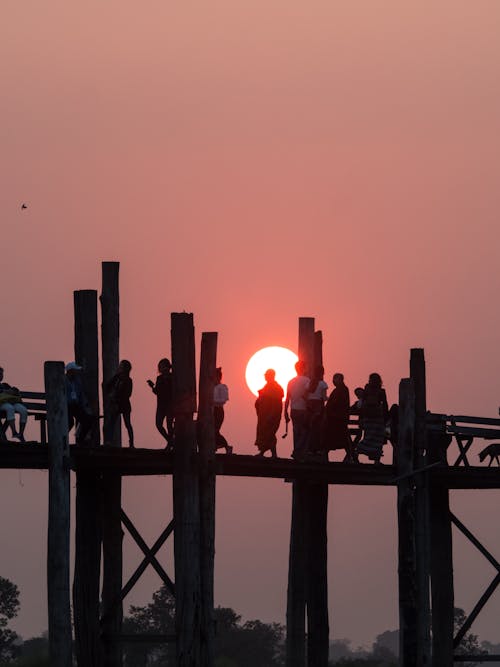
137 461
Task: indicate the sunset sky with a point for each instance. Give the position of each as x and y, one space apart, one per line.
253 162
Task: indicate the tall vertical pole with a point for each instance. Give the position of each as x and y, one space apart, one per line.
88 487
186 494
206 445
60 640
112 534
317 556
422 544
407 567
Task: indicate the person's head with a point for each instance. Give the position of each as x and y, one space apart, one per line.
358 392
300 367
218 374
269 375
375 380
338 379
72 369
125 366
164 365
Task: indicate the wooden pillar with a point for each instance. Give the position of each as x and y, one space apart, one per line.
59 611
408 636
422 542
442 594
88 527
112 534
206 446
186 494
296 594
317 556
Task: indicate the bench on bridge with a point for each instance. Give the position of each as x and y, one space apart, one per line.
34 402
464 429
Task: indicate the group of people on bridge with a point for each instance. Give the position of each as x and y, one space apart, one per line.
320 422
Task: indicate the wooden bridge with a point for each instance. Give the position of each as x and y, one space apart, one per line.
421 472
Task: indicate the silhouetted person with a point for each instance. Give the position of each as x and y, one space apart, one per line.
268 406
438 440
356 410
10 405
336 421
374 415
119 390
315 400
164 401
296 395
221 396
79 414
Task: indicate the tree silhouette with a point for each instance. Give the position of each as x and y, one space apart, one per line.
9 607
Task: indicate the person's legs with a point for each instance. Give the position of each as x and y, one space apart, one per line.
128 426
23 418
300 432
8 409
220 440
160 416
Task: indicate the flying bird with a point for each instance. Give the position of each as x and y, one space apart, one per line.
23 207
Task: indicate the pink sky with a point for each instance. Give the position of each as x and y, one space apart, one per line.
254 162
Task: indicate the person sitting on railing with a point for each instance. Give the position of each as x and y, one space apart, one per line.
10 405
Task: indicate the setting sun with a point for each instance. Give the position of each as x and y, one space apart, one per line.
281 359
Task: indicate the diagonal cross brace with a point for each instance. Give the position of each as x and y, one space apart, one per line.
149 556
488 592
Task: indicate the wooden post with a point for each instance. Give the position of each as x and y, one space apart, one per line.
59 612
317 556
206 445
296 594
186 494
442 593
408 636
88 526
422 545
86 351
112 534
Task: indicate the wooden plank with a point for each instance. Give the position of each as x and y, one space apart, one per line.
58 588
417 375
88 488
112 536
407 567
206 445
186 494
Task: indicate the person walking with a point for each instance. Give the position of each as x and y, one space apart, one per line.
336 422
296 393
221 397
119 389
268 405
316 398
164 402
374 415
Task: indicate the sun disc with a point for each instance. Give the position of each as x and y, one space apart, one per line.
280 359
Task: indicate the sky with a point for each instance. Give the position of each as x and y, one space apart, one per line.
251 163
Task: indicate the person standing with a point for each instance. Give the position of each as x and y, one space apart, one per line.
164 402
296 394
268 406
119 389
79 414
336 422
221 396
374 415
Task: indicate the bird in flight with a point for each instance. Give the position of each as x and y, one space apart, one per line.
23 207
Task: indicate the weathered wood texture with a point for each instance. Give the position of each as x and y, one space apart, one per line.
112 534
422 543
296 594
88 489
406 528
58 586
206 446
186 495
